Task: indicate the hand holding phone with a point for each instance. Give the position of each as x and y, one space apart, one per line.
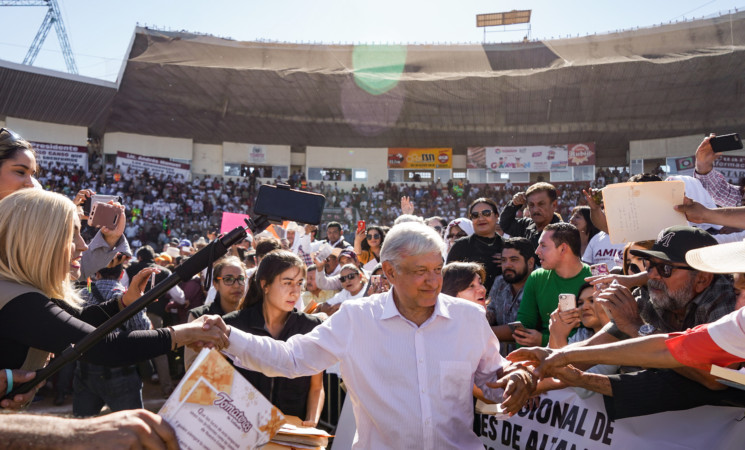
726 142
567 302
104 215
516 326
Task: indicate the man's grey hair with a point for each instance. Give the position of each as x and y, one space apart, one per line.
407 218
410 238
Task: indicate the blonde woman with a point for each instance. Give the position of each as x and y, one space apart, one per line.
40 248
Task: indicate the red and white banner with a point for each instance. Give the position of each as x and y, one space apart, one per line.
565 421
50 155
154 166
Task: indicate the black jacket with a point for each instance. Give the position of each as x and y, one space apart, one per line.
289 395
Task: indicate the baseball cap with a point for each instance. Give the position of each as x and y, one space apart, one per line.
673 243
722 258
184 243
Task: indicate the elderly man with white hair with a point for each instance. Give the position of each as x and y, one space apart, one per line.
409 356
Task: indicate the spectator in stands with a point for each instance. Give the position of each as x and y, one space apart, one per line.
229 280
506 294
457 229
38 291
580 218
312 292
464 280
367 244
541 203
268 311
484 246
334 236
95 386
562 272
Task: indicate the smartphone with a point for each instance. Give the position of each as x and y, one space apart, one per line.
599 269
95 198
597 196
567 302
282 203
360 226
726 143
375 283
104 215
516 326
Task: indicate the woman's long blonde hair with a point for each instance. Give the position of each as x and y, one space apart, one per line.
36 230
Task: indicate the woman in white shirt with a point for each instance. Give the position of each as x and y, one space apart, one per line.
353 283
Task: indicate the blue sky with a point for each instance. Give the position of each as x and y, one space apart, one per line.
100 30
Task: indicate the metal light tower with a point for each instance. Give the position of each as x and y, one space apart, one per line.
53 17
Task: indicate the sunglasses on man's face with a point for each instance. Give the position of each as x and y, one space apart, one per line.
349 277
485 213
665 270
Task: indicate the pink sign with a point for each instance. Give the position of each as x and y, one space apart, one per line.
232 220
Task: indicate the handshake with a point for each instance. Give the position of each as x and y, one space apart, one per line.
204 332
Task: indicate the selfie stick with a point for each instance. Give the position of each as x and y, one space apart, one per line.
185 271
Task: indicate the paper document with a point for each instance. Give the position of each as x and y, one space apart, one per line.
732 378
215 407
639 211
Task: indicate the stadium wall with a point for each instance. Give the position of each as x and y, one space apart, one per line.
161 147
51 133
374 160
207 160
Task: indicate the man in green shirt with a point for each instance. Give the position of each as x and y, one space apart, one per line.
562 272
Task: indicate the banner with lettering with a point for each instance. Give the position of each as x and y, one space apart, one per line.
527 159
581 154
49 156
731 166
420 158
154 166
565 421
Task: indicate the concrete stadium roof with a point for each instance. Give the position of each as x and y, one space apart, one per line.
664 81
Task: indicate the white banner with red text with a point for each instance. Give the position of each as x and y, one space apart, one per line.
154 166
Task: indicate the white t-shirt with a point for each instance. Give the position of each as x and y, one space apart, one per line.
600 250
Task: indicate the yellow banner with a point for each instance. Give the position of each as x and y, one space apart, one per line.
420 158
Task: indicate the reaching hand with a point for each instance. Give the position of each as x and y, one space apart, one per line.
19 400
112 236
705 156
136 428
206 331
519 199
528 337
545 358
622 306
406 206
695 212
518 386
138 284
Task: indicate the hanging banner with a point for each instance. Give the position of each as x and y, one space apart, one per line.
527 159
581 154
50 155
476 157
565 421
732 167
420 158
154 166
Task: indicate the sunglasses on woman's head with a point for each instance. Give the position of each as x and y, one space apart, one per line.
9 136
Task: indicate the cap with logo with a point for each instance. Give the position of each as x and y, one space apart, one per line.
673 243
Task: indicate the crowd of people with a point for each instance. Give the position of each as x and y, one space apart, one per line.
454 290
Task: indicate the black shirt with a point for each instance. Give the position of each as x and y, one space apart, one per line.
289 395
487 251
33 320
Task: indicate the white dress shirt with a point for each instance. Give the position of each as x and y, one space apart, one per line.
410 386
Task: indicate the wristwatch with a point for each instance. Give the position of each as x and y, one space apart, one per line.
646 329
